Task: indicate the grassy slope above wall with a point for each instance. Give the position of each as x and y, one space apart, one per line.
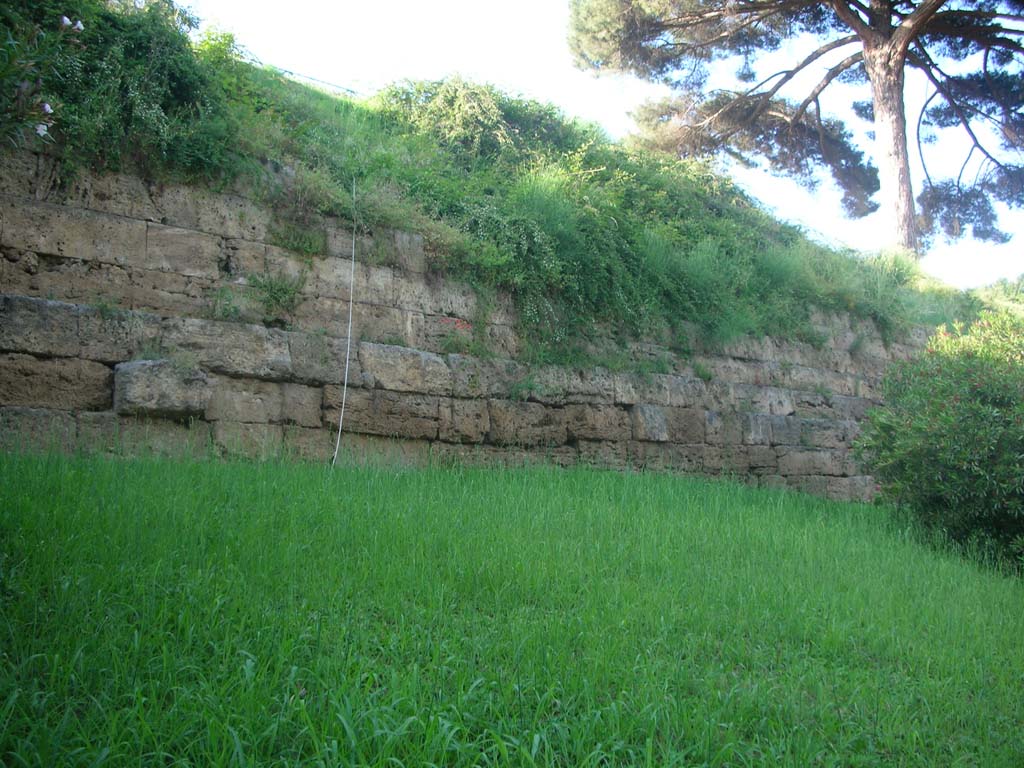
584 233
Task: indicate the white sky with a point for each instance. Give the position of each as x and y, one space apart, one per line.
521 48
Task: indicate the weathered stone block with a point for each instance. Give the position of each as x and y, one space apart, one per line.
598 422
556 385
192 207
113 337
410 252
723 428
308 444
649 423
757 428
815 485
667 457
66 384
631 388
71 233
160 388
854 408
685 425
259 441
762 458
320 359
685 392
771 400
476 377
464 421
167 293
106 432
401 369
785 430
810 462
604 453
181 251
827 433
263 402
377 323
39 429
526 424
726 459
244 257
231 348
38 327
380 412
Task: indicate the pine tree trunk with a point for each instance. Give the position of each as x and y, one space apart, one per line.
896 195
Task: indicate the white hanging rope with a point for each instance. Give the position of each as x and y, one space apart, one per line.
348 341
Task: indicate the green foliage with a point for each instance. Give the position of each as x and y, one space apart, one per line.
589 237
224 305
29 57
229 613
134 93
278 294
949 443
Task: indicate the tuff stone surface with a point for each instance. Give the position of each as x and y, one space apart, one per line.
166 271
160 388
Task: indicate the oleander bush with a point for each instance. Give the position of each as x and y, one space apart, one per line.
949 443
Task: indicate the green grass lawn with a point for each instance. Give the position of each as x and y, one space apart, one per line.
160 613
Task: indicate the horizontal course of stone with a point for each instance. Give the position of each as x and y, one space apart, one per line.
109 337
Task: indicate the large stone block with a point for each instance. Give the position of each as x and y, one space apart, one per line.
192 207
685 425
649 423
308 444
487 378
67 384
604 453
726 459
812 462
37 429
39 327
598 422
320 359
115 336
667 457
757 428
686 392
259 441
106 432
556 385
401 369
230 348
526 424
71 233
632 388
264 402
723 428
168 293
379 412
464 421
827 433
160 388
181 251
786 430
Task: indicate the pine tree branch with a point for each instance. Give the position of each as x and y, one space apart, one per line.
825 81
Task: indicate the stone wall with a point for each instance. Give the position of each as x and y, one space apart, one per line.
131 317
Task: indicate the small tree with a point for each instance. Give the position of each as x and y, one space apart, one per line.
949 442
675 40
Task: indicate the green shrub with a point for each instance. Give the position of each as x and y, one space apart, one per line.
949 443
